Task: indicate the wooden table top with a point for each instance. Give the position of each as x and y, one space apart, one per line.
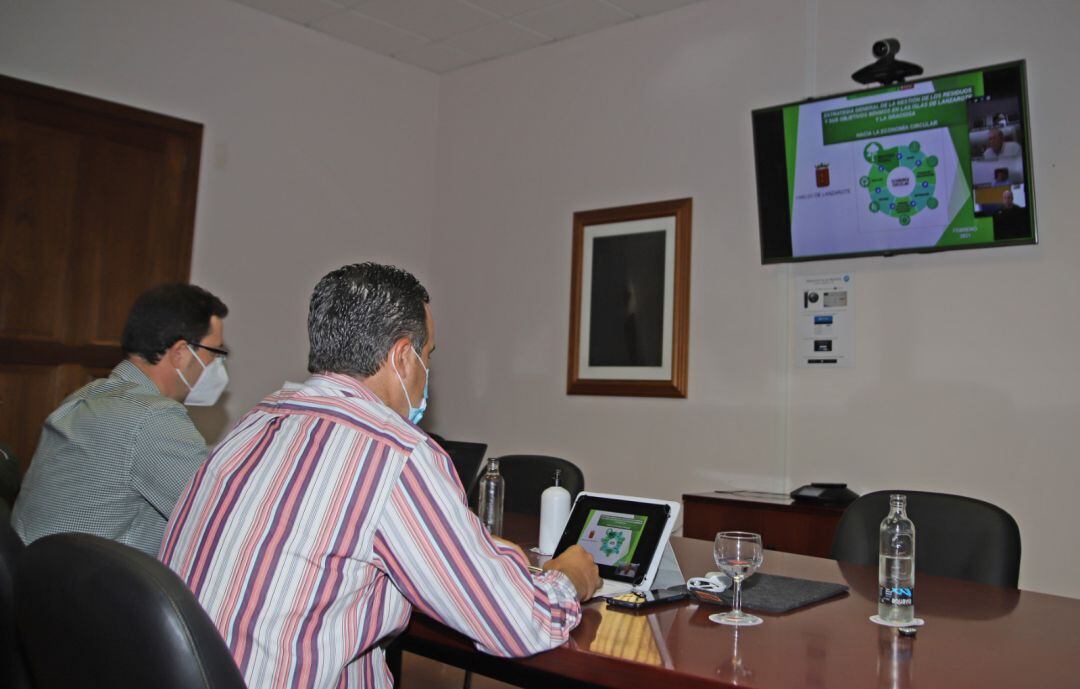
975 636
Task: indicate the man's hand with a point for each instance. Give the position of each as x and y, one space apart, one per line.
578 564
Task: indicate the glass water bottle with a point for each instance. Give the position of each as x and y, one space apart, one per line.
492 491
896 564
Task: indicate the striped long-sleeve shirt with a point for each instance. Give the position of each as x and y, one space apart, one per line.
322 519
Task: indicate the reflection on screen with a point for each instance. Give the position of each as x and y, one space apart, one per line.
612 539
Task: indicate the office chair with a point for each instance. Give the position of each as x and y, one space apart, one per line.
10 475
13 668
99 614
955 536
527 476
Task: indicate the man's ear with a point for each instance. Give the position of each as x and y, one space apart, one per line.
400 354
175 353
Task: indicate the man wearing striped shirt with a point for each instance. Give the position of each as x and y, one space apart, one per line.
326 515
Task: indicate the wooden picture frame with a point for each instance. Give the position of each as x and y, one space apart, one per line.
630 300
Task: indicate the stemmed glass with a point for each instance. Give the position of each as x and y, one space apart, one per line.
738 554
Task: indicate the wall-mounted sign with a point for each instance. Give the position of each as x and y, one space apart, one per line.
824 321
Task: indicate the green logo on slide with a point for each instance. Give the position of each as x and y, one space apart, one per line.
901 180
612 542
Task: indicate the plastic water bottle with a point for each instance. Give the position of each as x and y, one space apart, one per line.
896 564
554 510
492 490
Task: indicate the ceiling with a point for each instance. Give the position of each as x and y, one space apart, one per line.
444 35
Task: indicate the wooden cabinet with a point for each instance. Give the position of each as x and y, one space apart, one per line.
784 524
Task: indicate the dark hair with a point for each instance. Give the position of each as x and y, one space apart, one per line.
357 314
166 314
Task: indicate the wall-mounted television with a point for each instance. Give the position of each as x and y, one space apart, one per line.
927 165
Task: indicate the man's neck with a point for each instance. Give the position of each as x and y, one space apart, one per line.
380 385
155 372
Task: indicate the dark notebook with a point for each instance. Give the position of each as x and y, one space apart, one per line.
774 593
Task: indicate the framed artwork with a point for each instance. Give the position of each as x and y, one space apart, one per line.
630 300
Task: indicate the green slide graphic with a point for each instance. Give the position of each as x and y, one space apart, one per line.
612 542
901 180
610 537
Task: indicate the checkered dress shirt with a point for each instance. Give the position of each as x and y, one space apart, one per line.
111 461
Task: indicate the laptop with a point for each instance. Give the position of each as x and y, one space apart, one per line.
628 538
468 459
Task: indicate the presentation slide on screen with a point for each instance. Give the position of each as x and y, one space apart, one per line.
612 538
893 168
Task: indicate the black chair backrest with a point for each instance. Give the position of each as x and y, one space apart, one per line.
96 613
527 476
955 536
12 669
467 458
10 475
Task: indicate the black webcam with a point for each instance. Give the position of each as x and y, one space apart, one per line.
887 69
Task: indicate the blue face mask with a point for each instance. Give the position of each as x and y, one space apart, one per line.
415 413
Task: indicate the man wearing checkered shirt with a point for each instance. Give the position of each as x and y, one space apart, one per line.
113 458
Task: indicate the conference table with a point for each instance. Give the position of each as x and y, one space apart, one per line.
975 635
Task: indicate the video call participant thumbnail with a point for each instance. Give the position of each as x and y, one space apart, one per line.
997 147
1010 221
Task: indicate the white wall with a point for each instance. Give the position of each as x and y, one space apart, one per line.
315 152
965 378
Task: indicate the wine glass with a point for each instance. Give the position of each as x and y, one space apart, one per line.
738 554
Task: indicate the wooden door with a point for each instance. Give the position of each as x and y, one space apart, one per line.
97 204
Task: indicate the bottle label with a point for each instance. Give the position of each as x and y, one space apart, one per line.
898 597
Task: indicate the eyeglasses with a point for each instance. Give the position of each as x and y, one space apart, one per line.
216 351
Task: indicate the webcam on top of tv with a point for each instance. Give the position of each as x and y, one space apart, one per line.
886 69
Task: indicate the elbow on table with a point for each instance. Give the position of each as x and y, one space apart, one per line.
535 636
530 645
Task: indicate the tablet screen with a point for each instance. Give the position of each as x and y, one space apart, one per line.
621 535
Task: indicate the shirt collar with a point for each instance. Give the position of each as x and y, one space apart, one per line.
345 385
129 372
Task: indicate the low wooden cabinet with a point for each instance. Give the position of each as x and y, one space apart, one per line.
784 524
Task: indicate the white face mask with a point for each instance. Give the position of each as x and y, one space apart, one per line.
209 386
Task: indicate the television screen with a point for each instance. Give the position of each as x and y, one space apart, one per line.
927 165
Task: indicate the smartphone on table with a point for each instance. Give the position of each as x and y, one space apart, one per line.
636 600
